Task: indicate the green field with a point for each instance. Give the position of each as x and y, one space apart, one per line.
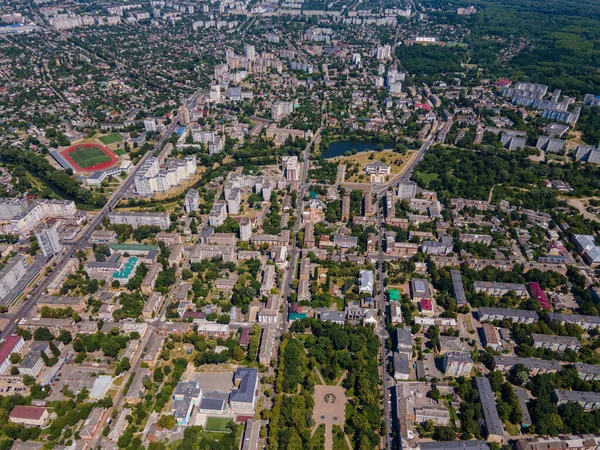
111 138
86 157
120 152
218 424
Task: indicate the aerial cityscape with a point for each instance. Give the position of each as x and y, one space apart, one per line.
295 224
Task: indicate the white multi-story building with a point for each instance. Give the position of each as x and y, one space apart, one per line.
150 125
49 241
245 229
281 109
234 200
39 211
11 207
137 219
184 115
250 52
457 364
290 167
192 200
215 92
218 213
384 52
10 275
153 178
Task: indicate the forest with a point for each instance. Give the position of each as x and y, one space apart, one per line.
456 173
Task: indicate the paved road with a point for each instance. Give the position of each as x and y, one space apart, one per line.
294 252
406 174
388 381
82 242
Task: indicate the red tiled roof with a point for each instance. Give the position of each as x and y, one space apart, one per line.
8 347
27 412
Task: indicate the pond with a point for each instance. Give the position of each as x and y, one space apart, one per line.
338 148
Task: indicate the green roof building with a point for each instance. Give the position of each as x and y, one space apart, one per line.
132 249
394 295
296 316
127 271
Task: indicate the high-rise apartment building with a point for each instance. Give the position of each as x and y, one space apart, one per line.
49 241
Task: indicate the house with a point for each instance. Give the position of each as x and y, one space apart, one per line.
91 424
35 416
426 307
404 341
491 338
243 395
338 317
365 282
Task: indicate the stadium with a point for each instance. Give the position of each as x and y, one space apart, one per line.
86 158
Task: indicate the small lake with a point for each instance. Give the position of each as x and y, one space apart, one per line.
338 148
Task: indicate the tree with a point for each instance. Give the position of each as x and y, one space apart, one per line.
43 334
158 375
444 434
167 421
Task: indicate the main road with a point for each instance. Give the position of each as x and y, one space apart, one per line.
302 188
82 242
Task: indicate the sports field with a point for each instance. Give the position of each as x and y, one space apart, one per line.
111 138
218 424
89 157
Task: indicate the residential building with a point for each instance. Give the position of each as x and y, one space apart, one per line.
491 338
401 365
588 400
281 109
493 424
267 345
571 442
555 343
536 366
49 241
137 219
404 341
458 288
365 282
39 211
457 364
10 276
11 344
192 201
514 315
499 289
11 207
245 229
585 322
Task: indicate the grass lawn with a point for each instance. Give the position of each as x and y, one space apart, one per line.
86 157
111 138
339 443
395 160
218 424
427 177
512 429
120 152
318 439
